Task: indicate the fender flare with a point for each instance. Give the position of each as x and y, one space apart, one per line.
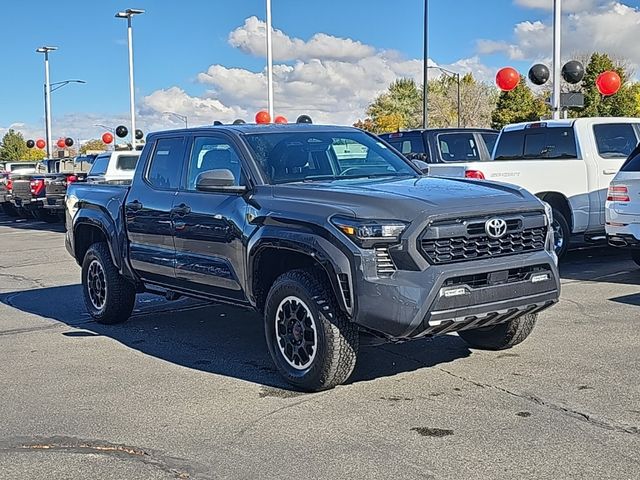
100 221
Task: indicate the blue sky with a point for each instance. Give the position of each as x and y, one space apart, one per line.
176 41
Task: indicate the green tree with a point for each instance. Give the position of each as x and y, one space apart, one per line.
518 105
13 147
90 145
34 154
622 104
400 105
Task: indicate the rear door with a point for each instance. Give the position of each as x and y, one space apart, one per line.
209 225
148 211
614 142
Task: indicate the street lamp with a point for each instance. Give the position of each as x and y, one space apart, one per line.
184 118
59 85
129 14
456 75
47 95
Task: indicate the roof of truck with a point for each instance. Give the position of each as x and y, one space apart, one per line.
569 122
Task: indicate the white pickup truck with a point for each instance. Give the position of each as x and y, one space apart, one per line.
567 163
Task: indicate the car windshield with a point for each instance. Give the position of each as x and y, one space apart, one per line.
309 156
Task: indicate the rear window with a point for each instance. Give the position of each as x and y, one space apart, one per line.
100 165
127 162
458 147
552 143
615 140
406 143
632 164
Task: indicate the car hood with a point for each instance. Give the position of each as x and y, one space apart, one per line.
406 198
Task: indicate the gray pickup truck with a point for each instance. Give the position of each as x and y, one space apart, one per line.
328 232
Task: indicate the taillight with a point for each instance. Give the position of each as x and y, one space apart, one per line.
477 174
9 186
71 179
37 187
618 193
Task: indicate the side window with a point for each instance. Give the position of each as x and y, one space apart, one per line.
213 153
166 163
615 140
632 164
458 147
127 162
100 165
490 140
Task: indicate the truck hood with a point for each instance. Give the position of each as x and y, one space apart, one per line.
406 198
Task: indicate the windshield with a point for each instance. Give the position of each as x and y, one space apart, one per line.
309 156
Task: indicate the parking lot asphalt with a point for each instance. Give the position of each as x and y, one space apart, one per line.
187 389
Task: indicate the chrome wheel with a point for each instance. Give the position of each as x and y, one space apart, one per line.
558 236
296 333
96 285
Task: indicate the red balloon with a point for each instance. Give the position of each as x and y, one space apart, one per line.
281 119
263 117
41 144
107 138
61 143
608 83
507 79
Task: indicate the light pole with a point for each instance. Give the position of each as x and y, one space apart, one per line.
425 67
47 95
456 75
269 62
128 14
557 32
184 118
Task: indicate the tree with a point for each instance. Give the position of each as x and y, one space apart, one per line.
90 145
398 108
366 124
622 104
518 105
34 154
13 147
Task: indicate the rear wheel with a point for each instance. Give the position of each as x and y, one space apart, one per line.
561 233
109 297
311 342
501 336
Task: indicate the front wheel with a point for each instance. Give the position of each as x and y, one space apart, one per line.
502 336
109 297
311 342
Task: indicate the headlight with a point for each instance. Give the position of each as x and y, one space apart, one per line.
368 233
71 202
548 211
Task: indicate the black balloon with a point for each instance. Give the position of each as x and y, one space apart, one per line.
304 119
539 74
68 142
573 72
218 122
139 134
239 122
31 144
122 131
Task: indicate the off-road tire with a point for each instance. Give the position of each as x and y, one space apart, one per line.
9 210
501 336
566 232
337 339
635 256
120 294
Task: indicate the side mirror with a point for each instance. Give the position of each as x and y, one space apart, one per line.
420 165
221 180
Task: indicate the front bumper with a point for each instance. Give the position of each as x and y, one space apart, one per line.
411 304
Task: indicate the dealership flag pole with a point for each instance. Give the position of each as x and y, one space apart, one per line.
269 60
557 32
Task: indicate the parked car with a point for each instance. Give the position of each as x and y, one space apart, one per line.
6 186
566 163
329 246
114 167
622 210
444 145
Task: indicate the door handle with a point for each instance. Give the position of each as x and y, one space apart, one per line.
135 206
181 210
610 171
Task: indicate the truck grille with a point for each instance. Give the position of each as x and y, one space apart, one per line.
463 240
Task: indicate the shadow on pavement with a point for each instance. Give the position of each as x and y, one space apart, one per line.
30 224
600 264
217 338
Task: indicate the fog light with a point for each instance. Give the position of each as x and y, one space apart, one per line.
541 277
453 292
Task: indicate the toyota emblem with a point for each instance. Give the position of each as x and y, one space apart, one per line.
495 228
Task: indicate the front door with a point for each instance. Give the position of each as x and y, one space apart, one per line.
149 209
209 226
